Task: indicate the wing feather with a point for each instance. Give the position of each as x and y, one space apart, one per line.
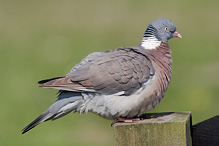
121 70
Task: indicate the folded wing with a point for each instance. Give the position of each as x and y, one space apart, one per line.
121 71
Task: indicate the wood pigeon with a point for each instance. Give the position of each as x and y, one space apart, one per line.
120 84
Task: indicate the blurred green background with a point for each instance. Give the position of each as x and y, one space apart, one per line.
42 39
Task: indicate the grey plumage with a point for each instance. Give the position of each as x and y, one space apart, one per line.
56 110
124 82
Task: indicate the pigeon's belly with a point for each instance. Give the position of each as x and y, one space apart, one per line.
114 106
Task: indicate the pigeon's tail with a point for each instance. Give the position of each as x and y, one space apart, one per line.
67 102
38 120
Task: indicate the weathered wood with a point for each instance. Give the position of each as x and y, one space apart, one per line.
206 133
160 129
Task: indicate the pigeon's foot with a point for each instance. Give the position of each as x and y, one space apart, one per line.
125 120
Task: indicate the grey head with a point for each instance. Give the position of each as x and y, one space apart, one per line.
163 29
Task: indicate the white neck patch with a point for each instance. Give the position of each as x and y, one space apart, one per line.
150 43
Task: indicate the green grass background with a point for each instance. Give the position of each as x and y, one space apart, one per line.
40 39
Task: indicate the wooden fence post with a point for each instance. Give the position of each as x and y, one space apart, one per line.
156 129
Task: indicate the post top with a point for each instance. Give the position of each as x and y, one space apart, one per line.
160 118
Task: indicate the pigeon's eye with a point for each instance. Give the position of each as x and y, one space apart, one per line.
166 28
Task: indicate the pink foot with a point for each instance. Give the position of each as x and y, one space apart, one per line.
125 120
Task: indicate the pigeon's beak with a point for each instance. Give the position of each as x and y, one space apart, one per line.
176 34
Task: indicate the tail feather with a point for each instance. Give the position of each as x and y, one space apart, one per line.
38 120
67 102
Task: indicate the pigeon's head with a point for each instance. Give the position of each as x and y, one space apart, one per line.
163 29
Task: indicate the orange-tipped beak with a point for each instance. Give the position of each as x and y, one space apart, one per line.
176 34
